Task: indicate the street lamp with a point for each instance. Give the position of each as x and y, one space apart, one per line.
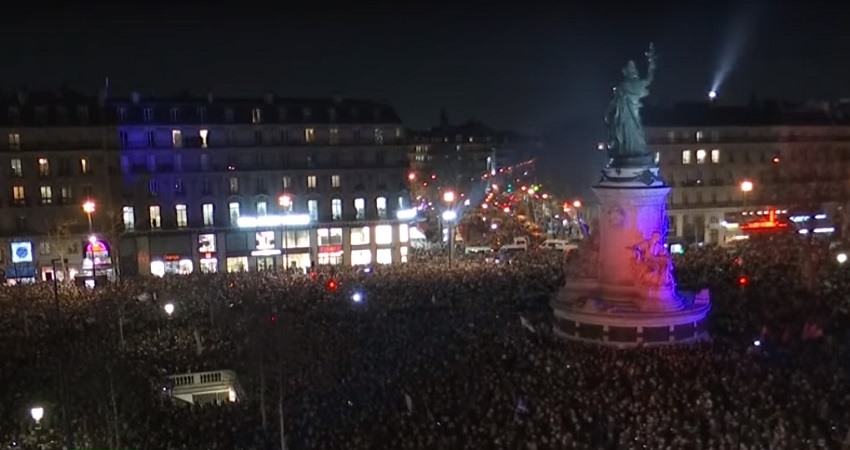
37 413
285 202
746 188
577 204
89 208
169 309
449 196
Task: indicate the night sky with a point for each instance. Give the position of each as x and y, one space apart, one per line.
528 67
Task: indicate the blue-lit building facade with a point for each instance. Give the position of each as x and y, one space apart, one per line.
213 185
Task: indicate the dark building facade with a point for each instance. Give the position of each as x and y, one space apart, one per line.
206 184
794 158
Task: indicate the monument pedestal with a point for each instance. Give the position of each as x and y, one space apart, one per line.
622 291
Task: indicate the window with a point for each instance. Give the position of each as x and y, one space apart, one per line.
228 115
329 236
178 163
129 216
403 233
311 182
686 157
204 136
201 112
334 136
208 212
335 181
182 217
178 187
85 167
360 236
151 163
261 184
176 138
206 243
153 188
18 195
17 169
381 206
256 115
360 208
175 114
234 185
700 136
384 234
262 208
379 136
336 209
205 162
233 207
715 156
701 156
401 202
66 194
43 167
287 182
44 248
313 209
156 219
309 135
14 141
148 114
46 195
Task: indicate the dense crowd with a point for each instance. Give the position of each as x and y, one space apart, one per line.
432 356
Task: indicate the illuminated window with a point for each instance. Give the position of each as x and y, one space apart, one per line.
233 207
671 136
335 181
287 182
309 135
285 202
175 114
384 256
700 136
18 194
17 169
403 233
686 157
208 211
403 251
334 136
262 208
329 236
43 167
336 209
176 138
85 167
360 236
379 136
361 257
182 217
384 234
234 185
256 115
311 182
381 206
715 156
204 136
402 200
46 195
129 216
657 158
153 187
313 209
156 219
14 141
360 208
65 192
701 155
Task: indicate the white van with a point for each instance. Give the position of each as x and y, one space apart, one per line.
558 244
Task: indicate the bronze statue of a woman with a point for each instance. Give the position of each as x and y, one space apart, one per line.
626 143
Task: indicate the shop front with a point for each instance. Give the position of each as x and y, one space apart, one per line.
97 259
208 259
22 268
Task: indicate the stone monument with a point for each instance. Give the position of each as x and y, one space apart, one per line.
620 288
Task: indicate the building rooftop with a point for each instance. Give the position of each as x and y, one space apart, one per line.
67 107
769 113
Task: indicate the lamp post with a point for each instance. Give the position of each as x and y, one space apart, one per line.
449 216
285 202
38 410
169 309
746 188
89 208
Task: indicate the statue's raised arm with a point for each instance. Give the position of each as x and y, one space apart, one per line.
650 64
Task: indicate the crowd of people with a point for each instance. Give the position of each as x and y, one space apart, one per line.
428 355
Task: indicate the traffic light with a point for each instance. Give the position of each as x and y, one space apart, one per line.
510 188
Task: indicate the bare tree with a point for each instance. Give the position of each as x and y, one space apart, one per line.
60 233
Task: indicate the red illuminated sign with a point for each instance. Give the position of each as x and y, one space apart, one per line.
766 224
330 249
